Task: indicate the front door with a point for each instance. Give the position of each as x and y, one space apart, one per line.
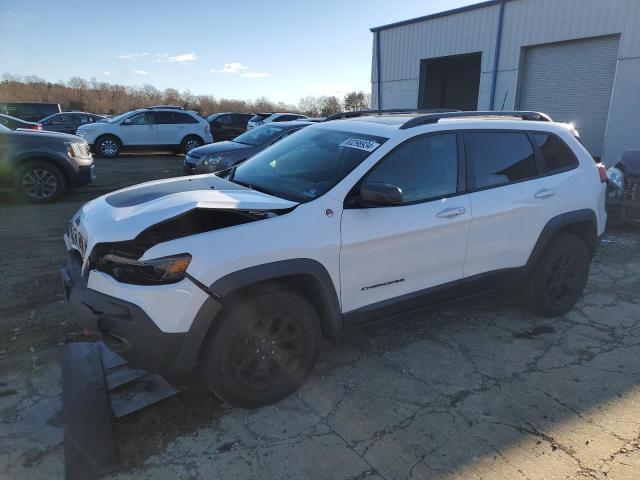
140 130
393 251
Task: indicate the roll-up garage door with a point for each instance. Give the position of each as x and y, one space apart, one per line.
572 82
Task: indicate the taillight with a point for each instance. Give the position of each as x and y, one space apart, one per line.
602 170
37 126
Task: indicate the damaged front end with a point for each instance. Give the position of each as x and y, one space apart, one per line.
623 189
121 260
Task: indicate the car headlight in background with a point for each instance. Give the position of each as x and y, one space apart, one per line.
213 159
157 271
615 182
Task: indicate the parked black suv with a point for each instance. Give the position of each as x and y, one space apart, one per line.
29 111
38 166
68 122
226 126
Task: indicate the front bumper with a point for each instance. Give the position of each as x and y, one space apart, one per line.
127 330
198 168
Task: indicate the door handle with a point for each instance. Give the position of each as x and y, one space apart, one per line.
545 193
451 212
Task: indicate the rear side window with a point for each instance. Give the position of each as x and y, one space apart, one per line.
286 118
556 155
500 158
178 117
259 117
424 168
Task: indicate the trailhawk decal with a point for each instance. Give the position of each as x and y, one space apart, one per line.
383 284
360 144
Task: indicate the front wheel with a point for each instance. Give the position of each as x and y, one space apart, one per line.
263 349
108 147
39 182
561 275
190 142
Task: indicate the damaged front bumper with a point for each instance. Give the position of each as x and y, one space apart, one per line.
129 331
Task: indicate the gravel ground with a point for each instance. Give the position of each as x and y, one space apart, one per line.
483 389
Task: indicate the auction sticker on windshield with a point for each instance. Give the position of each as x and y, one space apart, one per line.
360 144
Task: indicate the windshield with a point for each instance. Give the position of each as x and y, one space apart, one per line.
306 165
120 117
211 118
259 135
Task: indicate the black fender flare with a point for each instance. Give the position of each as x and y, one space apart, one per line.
332 322
557 224
32 156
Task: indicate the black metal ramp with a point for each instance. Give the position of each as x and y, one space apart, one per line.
90 449
99 386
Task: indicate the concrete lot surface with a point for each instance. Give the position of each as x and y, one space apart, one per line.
483 389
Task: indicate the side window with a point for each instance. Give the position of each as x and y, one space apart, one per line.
55 120
225 120
145 118
286 118
239 121
424 168
162 118
556 155
499 158
179 117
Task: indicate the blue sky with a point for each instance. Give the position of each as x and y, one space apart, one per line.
282 49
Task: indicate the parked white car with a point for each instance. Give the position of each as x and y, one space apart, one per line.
262 118
152 128
237 278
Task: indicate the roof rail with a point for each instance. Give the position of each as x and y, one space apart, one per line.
361 113
434 118
170 107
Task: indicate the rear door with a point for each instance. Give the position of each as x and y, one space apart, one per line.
389 252
513 196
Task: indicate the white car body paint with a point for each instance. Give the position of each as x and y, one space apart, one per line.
359 248
147 134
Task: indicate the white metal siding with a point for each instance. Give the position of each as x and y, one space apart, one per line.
572 82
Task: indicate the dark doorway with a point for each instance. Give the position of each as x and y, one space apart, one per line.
450 82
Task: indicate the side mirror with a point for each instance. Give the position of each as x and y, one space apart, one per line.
127 122
376 194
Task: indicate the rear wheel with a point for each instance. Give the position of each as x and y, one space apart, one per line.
263 349
190 142
108 146
39 182
560 276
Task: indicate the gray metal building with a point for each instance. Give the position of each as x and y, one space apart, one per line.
577 60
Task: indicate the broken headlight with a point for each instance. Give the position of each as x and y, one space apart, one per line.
157 271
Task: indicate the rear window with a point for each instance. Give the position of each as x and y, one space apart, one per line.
500 158
259 117
556 155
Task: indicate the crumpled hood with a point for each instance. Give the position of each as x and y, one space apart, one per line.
123 214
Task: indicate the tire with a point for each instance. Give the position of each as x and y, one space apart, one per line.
263 349
190 142
560 276
39 182
108 146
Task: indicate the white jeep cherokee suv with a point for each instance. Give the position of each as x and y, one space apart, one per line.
238 276
153 128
